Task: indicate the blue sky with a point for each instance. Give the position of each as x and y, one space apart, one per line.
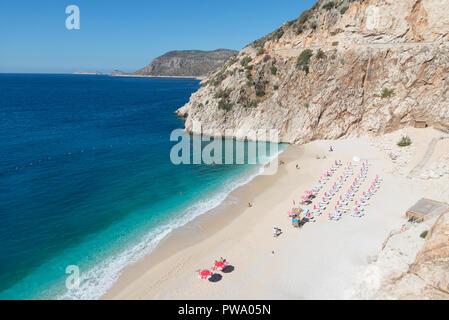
126 35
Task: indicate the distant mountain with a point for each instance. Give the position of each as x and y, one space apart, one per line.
116 73
88 72
186 63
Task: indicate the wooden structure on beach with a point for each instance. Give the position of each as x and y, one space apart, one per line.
425 209
420 123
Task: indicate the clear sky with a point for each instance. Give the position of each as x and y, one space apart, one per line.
126 35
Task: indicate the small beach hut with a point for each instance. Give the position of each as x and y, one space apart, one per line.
425 209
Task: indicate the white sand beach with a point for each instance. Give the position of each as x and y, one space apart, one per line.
321 260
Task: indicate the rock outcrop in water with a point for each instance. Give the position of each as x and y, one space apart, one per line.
186 63
342 68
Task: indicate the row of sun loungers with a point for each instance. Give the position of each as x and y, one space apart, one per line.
344 200
358 209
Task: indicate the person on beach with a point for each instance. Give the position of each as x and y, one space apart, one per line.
250 205
331 149
297 166
276 232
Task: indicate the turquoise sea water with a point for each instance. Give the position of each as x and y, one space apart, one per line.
86 179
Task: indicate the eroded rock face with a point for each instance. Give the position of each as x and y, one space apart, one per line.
432 262
385 63
428 276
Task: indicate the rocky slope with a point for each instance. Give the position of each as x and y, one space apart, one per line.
410 267
186 63
342 68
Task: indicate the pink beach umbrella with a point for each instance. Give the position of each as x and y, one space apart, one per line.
204 274
304 198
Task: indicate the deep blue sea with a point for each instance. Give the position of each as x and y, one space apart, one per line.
86 179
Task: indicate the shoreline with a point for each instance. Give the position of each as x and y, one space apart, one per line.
197 230
163 77
328 257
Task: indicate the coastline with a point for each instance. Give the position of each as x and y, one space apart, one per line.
150 76
139 76
323 260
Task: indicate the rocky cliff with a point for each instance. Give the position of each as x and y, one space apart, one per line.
341 68
427 277
186 63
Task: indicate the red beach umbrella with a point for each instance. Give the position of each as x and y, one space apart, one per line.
220 265
204 274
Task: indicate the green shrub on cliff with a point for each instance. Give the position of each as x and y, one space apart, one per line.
387 93
244 62
330 5
304 17
260 93
278 34
273 70
223 94
224 105
219 78
320 54
304 60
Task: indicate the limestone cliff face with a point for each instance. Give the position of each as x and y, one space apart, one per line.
342 68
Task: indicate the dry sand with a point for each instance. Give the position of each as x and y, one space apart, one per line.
321 260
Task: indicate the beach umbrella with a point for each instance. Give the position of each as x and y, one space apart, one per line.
220 265
204 274
304 198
